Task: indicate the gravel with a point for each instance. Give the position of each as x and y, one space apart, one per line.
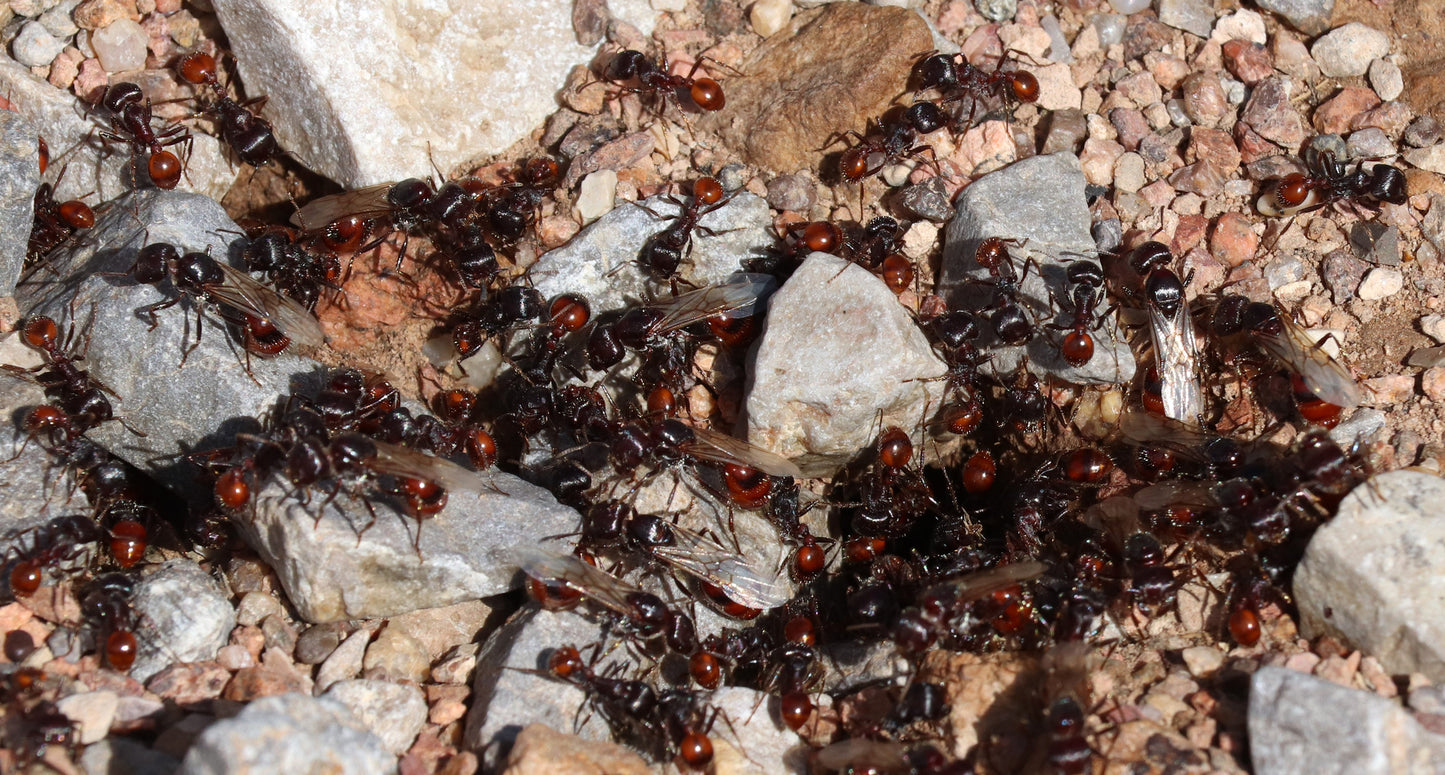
288 733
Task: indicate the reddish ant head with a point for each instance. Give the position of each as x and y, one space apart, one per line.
197 67
164 169
809 560
800 629
854 163
708 94
540 171
41 333
895 449
565 662
1077 348
1024 85
991 253
455 405
77 214
45 417
707 191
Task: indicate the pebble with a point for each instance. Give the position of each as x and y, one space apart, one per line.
189 683
1380 283
395 713
1432 383
124 756
1308 16
1348 50
1056 88
540 749
1127 7
1431 158
1110 27
1298 723
796 193
57 20
1204 99
1423 131
1202 660
770 16
1129 172
95 14
190 617
1368 575
317 642
120 46
345 662
1193 16
1250 62
1284 270
597 196
35 46
1339 113
1371 143
1375 242
396 656
1433 326
1130 127
997 10
1067 128
1386 79
1342 273
92 713
815 394
1233 240
928 200
1243 24
288 733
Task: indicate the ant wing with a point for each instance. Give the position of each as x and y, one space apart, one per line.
363 201
1174 492
246 293
1118 517
1148 429
1323 375
985 582
402 461
739 293
742 581
722 448
858 754
575 574
1177 357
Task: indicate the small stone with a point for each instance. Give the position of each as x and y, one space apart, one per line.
597 196
770 16
1098 160
1233 240
57 20
1348 50
1130 126
1338 114
317 642
396 656
1127 7
1215 148
1243 24
1432 383
393 712
997 10
1371 143
1308 16
1204 100
1285 270
189 615
1423 131
928 200
252 683
1194 16
35 46
96 14
120 46
732 176
234 657
1270 113
541 749
28 8
1431 158
1392 117
189 683
985 148
1067 128
1381 282
792 192
92 713
255 606
185 28
1375 242
65 67
1056 88
1386 79
1140 88
1202 660
289 733
1342 273
1129 172
1250 62
345 662
1433 326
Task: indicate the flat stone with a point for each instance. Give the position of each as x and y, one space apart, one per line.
1386 79
345 661
288 733
1348 50
1339 113
393 712
1270 113
189 617
1369 575
1040 201
1380 283
1308 16
1375 242
816 394
830 71
367 114
1299 723
1431 158
1195 16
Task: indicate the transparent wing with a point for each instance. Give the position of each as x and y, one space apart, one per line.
363 201
722 448
246 293
739 293
754 582
860 754
1175 492
1117 516
1323 375
403 461
1176 356
985 582
565 569
1148 429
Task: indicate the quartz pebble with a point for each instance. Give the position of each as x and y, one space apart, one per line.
1386 79
769 16
35 46
1380 283
1308 16
1348 50
121 46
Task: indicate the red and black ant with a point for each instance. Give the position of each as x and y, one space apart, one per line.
653 78
956 79
130 119
248 135
55 222
1325 182
1087 279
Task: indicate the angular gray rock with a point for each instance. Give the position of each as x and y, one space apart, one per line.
332 574
393 712
1039 201
759 740
68 126
601 261
186 616
1372 575
19 177
372 113
1196 16
179 408
1299 723
837 351
288 733
1308 16
507 695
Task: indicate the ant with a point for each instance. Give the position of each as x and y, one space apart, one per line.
248 135
663 252
1171 328
956 79
1087 279
81 399
653 78
1325 182
55 222
889 141
130 118
1006 313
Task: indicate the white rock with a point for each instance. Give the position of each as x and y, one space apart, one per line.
1243 24
393 712
1372 575
1380 283
1431 158
120 46
597 196
1386 79
1202 660
1129 172
769 16
34 46
1348 50
92 712
1433 326
669 5
188 617
1056 87
288 733
837 351
362 91
896 175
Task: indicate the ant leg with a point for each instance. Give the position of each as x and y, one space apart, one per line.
151 310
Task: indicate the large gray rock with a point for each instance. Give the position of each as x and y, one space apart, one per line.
393 712
288 733
187 617
19 177
1039 201
331 573
91 165
837 351
601 262
365 92
1299 723
1308 16
1373 574
507 695
179 408
757 738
